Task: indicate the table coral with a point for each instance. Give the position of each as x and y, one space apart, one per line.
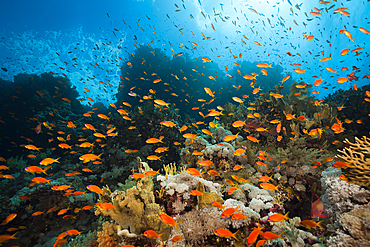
358 156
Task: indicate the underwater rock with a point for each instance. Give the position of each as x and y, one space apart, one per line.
355 228
339 196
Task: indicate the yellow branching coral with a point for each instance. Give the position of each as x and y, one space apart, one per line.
358 156
170 169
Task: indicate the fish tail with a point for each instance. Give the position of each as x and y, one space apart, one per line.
175 225
319 224
235 234
286 215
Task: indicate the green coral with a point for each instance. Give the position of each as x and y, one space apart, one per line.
297 154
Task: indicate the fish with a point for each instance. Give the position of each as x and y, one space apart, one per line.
229 138
94 188
317 208
309 224
239 217
195 193
152 234
271 235
169 220
268 186
252 238
9 218
264 65
48 161
41 180
278 217
36 169
105 205
228 212
6 238
339 164
225 233
38 128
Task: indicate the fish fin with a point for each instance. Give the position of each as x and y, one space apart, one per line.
319 224
322 215
235 234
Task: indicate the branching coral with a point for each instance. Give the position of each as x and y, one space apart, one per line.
294 235
358 156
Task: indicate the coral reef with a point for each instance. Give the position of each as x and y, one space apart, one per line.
296 237
339 196
355 229
107 237
136 209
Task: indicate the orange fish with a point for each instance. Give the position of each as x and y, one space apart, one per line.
225 233
152 234
268 186
264 65
32 147
311 224
94 188
176 239
8 219
271 235
195 193
217 205
195 172
138 175
41 180
105 205
228 212
252 238
339 164
260 243
278 217
36 169
48 161
253 139
239 217
265 179
168 220
6 238
213 173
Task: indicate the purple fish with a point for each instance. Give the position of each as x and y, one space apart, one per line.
38 128
317 208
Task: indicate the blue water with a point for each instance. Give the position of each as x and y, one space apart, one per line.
32 34
90 43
